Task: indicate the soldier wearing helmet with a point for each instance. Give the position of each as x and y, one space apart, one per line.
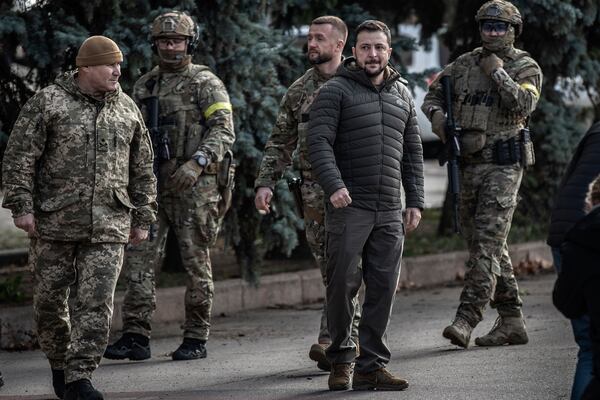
189 114
174 27
496 87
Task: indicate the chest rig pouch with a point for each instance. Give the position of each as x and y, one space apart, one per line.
302 111
180 120
474 99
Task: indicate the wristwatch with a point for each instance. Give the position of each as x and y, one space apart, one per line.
201 159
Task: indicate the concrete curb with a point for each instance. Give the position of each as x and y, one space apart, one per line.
287 289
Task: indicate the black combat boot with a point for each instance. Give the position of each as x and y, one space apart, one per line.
1 380
82 389
131 345
190 349
58 382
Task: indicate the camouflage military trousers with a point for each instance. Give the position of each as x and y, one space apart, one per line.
74 340
194 218
488 199
314 222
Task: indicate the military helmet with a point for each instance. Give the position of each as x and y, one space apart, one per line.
173 23
176 23
500 10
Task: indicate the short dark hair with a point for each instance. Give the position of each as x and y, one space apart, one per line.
334 21
372 25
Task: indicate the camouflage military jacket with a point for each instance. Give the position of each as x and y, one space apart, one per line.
83 167
194 113
498 105
289 135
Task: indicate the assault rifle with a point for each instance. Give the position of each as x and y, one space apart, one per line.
160 144
451 151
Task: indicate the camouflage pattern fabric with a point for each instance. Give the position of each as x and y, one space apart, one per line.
287 146
82 166
287 142
487 202
195 220
195 113
488 109
74 342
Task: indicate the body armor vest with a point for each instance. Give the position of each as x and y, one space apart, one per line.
180 118
477 102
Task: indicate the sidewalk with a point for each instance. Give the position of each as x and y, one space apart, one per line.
263 355
279 290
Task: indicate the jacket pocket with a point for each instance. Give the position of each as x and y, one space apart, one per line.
123 198
59 202
506 200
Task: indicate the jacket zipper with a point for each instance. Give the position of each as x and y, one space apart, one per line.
382 149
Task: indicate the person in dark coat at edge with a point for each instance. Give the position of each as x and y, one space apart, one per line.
568 208
576 290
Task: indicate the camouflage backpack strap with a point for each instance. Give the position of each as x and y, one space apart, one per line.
308 92
310 87
524 68
186 91
521 65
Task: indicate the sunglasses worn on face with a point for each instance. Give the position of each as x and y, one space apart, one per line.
171 41
495 26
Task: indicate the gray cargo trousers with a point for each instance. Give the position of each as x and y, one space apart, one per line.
377 237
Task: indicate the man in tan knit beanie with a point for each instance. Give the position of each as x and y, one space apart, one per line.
99 69
77 175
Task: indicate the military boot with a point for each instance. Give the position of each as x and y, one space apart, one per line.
82 389
506 330
133 346
58 382
2 381
317 353
340 376
459 332
190 349
380 379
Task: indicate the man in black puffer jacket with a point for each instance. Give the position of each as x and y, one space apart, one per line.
568 208
364 145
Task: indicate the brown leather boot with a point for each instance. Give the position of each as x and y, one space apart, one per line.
459 332
380 379
340 376
317 353
506 330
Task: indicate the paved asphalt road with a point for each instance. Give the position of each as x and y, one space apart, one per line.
263 355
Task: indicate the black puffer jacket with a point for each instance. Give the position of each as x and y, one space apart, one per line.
570 197
367 140
576 284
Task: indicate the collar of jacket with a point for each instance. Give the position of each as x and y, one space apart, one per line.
350 69
68 83
322 77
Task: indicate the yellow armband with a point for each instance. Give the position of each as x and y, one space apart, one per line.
532 89
216 107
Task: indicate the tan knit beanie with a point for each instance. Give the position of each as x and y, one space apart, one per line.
98 50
